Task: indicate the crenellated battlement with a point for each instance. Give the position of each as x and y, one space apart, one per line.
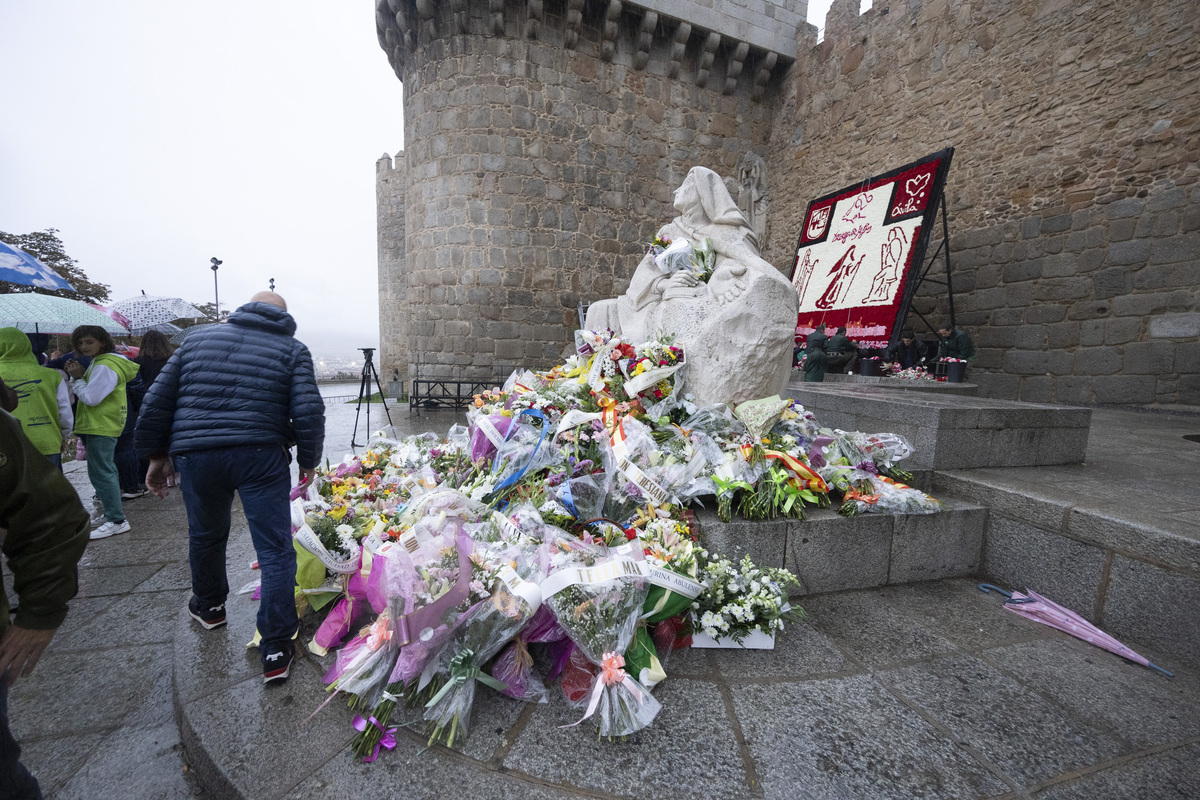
714 45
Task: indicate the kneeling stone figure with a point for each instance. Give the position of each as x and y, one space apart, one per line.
737 330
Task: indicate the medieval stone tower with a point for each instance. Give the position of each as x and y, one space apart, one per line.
543 139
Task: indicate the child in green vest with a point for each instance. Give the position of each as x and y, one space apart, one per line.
44 406
100 417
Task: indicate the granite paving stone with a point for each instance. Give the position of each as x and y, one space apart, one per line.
1170 775
933 546
131 762
1027 737
829 552
270 723
1020 556
209 660
849 737
417 773
800 651
692 742
1134 703
959 612
1154 606
97 581
55 700
866 628
126 622
54 759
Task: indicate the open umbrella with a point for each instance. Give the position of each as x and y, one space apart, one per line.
177 338
165 328
43 313
17 266
1032 605
145 310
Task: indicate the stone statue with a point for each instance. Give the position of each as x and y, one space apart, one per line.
752 192
737 330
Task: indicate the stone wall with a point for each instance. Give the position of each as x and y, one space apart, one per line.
542 158
1073 196
389 205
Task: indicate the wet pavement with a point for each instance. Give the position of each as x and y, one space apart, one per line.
921 690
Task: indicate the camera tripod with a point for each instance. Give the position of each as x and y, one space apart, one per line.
364 391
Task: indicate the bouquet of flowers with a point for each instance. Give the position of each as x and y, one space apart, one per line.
487 627
738 600
598 602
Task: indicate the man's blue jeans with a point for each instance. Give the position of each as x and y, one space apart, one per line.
260 475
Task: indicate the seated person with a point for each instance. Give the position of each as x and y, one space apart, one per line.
842 353
909 352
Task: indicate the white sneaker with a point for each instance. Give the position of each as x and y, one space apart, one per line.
110 529
135 494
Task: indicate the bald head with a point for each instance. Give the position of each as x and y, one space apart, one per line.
271 298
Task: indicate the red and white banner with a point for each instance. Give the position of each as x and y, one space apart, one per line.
858 246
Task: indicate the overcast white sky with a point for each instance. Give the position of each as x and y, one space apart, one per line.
156 134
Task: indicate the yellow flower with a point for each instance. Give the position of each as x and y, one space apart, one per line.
337 513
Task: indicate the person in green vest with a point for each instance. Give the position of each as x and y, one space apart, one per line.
44 405
100 417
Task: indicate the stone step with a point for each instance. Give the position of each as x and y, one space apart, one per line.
1123 559
935 387
832 553
953 432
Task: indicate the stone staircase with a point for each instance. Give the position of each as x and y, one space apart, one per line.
1022 507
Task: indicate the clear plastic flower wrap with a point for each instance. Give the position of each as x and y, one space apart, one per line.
869 493
642 469
487 627
522 450
677 256
598 603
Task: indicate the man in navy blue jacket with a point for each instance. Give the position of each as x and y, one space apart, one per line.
227 408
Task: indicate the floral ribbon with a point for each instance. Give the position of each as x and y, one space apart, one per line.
611 674
816 455
388 740
462 669
807 478
516 476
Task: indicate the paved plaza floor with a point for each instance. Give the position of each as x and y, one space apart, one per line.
924 690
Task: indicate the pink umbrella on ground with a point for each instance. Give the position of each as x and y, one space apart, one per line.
1032 605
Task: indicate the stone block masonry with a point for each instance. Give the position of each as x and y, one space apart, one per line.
544 139
540 160
1074 203
392 362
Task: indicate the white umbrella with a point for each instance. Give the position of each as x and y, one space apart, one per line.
43 313
147 310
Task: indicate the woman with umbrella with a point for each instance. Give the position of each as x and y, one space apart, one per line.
100 417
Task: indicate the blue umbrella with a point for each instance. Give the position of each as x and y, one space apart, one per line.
17 266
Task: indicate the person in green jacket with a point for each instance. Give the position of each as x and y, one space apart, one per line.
44 408
955 343
47 533
100 417
815 363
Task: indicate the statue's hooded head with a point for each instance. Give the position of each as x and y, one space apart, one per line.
703 199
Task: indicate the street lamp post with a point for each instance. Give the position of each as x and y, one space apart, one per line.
216 262
272 284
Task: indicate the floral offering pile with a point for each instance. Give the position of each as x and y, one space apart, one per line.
556 523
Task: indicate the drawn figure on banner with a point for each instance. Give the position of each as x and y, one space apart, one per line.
817 222
891 255
915 187
857 208
843 273
804 273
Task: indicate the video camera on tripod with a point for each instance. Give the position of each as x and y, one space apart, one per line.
364 392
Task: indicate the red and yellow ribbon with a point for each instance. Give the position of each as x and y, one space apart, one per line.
805 477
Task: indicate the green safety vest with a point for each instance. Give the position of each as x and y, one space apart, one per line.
37 409
107 418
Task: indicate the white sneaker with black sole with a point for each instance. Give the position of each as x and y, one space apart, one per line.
110 529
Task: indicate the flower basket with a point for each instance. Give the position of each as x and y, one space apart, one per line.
755 640
952 371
